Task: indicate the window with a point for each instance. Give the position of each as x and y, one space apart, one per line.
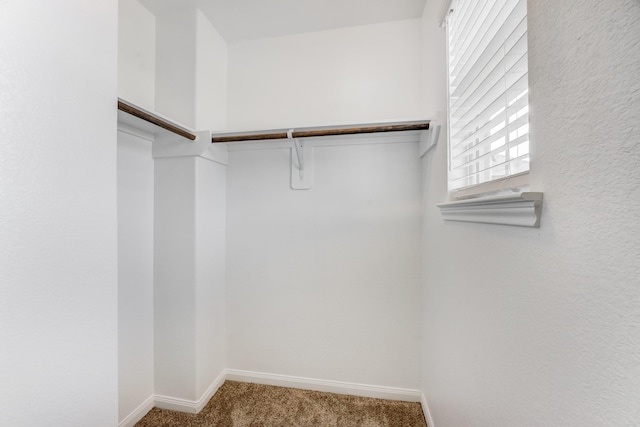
488 95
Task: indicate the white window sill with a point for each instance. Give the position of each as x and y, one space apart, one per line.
521 209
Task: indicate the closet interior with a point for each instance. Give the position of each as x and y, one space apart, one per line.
267 238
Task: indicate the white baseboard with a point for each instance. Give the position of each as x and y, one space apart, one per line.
176 404
364 390
190 406
138 413
427 413
354 389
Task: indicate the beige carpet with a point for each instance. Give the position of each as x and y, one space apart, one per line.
251 405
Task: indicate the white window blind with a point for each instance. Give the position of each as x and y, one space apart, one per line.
488 91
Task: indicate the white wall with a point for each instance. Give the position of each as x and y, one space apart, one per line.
136 83
175 65
191 68
433 72
58 315
174 272
136 53
211 76
324 283
540 326
185 351
211 337
350 75
189 294
135 272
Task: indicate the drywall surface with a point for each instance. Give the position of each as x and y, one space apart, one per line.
210 273
176 65
434 190
58 292
174 277
136 54
540 326
324 283
434 71
345 76
211 76
191 68
135 272
189 294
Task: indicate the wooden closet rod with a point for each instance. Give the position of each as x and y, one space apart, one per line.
156 120
310 133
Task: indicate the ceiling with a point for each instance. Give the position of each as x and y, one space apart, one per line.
239 20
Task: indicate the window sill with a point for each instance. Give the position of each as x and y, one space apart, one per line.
521 209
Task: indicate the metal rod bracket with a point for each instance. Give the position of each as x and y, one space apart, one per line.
300 176
299 152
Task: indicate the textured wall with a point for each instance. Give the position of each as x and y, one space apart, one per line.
58 274
540 326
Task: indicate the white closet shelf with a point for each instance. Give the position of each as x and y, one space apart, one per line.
149 121
321 131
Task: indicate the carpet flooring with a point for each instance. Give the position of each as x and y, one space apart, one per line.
239 404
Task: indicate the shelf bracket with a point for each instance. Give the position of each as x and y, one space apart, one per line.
300 177
429 139
299 152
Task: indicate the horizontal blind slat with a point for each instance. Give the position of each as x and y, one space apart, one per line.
507 145
495 102
467 16
494 28
477 37
491 28
506 65
488 128
488 91
491 55
513 167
